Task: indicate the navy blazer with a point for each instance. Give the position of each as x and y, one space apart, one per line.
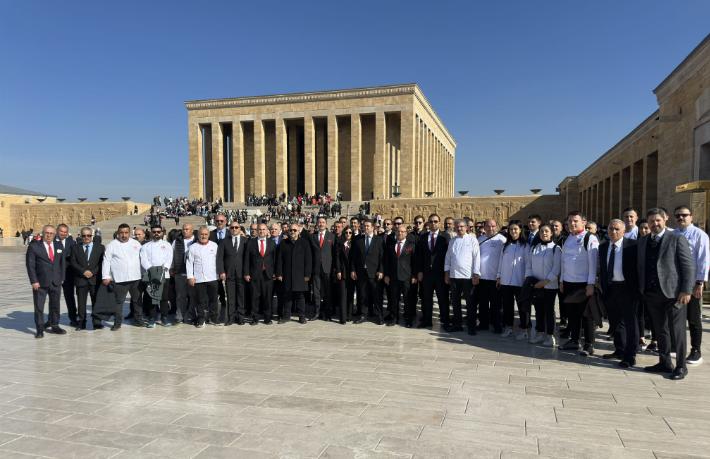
41 269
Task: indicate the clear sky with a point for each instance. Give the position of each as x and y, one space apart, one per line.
92 92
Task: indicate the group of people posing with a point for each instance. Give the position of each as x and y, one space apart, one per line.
355 271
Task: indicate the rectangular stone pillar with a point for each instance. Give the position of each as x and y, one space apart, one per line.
293 160
259 158
238 161
332 155
355 158
281 157
309 155
381 157
195 160
321 156
406 153
217 162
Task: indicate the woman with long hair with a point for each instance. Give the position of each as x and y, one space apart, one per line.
542 269
510 278
345 285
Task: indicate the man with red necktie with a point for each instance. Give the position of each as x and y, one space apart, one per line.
259 263
324 243
45 269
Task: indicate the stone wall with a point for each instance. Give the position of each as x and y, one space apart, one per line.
7 201
502 208
26 216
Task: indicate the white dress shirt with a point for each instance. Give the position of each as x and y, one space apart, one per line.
578 264
122 261
543 263
202 262
699 249
463 258
490 249
633 234
156 253
511 269
618 267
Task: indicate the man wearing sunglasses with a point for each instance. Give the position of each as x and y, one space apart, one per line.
700 252
85 261
431 253
230 266
156 259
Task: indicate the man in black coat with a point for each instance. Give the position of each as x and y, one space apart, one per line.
294 266
666 273
400 275
323 241
45 269
619 284
217 235
68 244
230 267
431 255
259 264
366 268
85 262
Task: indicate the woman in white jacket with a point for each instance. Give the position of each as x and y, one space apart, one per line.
543 268
511 275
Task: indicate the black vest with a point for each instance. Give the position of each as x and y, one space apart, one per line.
652 250
179 256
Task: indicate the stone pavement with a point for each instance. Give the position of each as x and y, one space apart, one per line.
325 390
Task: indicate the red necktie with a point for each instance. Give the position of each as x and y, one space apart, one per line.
261 248
51 252
433 241
321 240
399 244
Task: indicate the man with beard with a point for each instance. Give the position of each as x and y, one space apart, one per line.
122 268
178 271
156 259
323 241
294 269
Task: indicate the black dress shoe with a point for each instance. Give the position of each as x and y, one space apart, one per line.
627 363
390 323
116 327
302 320
57 330
129 316
342 322
408 324
283 321
267 322
658 368
98 326
47 325
587 350
679 373
359 320
616 355
570 346
74 323
39 334
254 322
423 325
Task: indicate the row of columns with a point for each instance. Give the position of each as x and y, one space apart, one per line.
436 169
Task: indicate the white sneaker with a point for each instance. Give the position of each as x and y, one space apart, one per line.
537 339
507 332
549 341
523 335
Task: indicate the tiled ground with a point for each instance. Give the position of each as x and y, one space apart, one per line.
325 390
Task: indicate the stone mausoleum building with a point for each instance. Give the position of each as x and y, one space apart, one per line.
669 148
367 143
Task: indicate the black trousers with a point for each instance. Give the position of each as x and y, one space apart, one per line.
488 300
262 289
121 289
669 322
575 314
39 296
68 289
399 291
222 296
434 283
463 288
544 303
291 299
621 306
182 297
321 296
510 295
367 297
206 300
695 323
346 297
82 292
235 301
151 309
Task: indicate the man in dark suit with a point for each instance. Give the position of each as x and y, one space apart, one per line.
366 268
230 267
431 254
259 264
294 268
45 268
618 258
400 275
217 235
666 274
85 262
68 243
324 243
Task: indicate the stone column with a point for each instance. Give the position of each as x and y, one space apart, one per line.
321 157
292 160
309 155
381 157
332 155
195 160
355 158
281 157
217 162
406 153
259 158
238 161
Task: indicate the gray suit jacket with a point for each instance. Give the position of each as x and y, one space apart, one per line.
676 269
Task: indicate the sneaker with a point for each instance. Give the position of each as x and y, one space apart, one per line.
523 335
507 332
694 358
537 339
165 322
150 324
652 347
642 344
549 341
200 324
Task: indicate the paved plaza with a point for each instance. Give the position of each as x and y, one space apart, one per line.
326 390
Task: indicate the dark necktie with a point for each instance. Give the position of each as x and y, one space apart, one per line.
86 252
610 266
367 244
399 248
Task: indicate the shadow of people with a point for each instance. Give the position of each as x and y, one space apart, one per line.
22 321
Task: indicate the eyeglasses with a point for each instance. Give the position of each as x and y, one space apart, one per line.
682 215
388 224
157 231
397 223
433 221
221 221
348 232
86 235
292 230
418 222
233 227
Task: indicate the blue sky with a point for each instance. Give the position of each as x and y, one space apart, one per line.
92 92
